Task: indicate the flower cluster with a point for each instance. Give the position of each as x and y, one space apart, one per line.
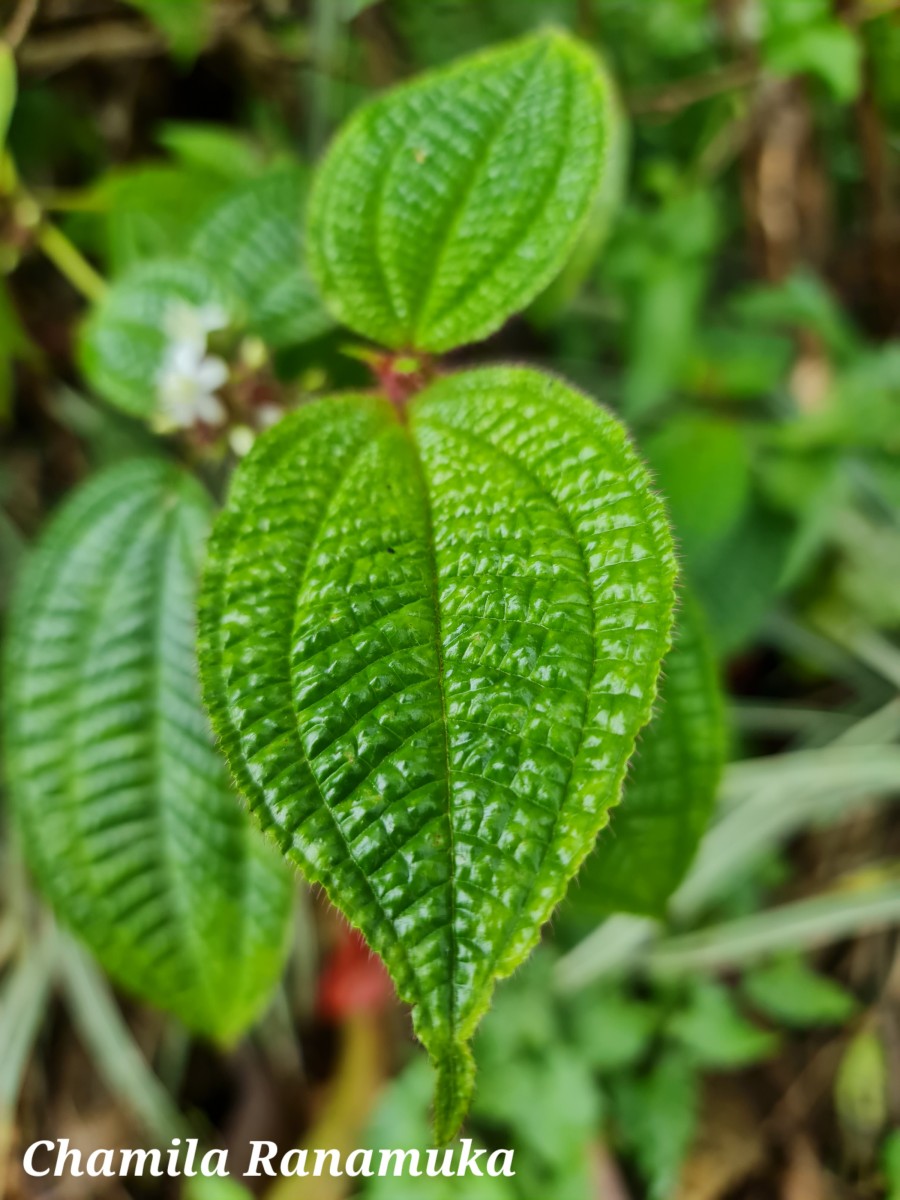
189 377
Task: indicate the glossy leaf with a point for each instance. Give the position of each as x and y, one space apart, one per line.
449 204
127 815
124 340
427 650
253 240
651 840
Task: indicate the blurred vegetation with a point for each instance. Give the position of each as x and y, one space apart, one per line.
741 309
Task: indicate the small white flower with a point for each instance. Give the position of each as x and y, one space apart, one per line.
188 377
184 322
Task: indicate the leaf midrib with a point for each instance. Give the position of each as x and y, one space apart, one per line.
538 485
328 508
168 548
422 303
515 237
439 652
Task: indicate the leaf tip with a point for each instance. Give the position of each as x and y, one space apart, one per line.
453 1091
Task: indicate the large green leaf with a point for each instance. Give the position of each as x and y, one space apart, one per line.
253 239
449 204
644 853
127 816
428 649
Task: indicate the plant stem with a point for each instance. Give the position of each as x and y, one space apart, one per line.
70 262
64 255
20 22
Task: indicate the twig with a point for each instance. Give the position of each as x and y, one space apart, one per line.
691 91
69 260
64 255
20 22
100 40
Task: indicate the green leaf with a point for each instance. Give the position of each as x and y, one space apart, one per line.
253 240
532 1083
740 582
554 302
449 204
790 992
185 23
656 1117
824 47
549 1103
799 300
124 340
715 1034
703 468
127 816
653 836
612 1030
428 650
213 149
890 1159
861 1088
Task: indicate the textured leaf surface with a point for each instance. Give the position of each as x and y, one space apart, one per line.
651 839
123 341
253 239
449 204
428 650
128 819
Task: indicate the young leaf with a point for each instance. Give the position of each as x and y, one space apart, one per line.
449 204
124 340
644 853
789 991
127 816
715 1034
253 239
428 650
